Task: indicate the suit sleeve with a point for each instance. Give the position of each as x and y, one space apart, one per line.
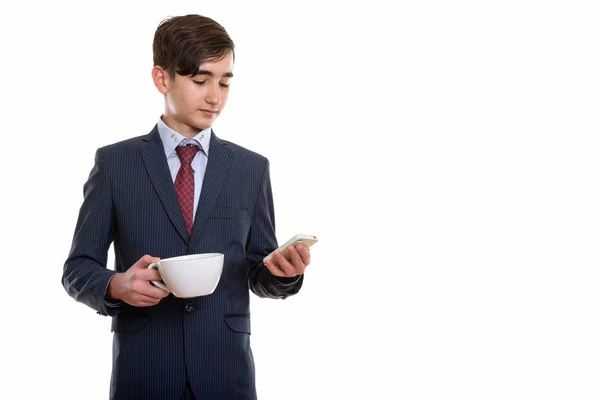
261 242
85 275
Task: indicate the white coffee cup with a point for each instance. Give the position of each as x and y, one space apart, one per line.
191 275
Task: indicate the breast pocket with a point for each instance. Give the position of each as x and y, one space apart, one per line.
227 230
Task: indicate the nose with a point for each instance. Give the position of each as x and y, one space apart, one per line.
213 95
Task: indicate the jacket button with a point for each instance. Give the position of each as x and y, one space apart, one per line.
189 307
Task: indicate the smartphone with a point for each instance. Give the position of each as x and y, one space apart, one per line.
301 238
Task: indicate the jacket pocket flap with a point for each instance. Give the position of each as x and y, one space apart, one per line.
238 323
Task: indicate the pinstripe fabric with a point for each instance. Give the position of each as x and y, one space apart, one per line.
130 199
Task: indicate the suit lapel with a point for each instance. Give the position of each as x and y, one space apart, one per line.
153 154
219 159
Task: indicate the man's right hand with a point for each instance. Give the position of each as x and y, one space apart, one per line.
134 287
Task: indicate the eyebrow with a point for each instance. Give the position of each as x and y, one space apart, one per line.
210 73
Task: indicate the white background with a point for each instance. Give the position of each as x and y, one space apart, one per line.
446 154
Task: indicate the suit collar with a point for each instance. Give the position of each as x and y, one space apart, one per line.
153 155
214 177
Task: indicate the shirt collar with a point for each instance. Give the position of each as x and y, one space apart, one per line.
171 139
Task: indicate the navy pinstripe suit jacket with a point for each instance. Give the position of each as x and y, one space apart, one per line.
129 199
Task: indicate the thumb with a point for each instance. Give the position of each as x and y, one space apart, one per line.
146 260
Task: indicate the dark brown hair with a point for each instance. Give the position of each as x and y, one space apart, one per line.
182 43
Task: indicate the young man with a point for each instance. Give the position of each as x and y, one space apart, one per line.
180 190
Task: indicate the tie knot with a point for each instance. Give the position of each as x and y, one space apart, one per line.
186 153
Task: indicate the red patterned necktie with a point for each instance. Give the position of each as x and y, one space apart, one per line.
184 184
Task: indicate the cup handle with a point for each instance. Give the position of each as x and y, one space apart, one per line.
159 284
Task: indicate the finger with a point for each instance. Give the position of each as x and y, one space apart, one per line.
148 274
144 261
284 265
304 254
144 288
153 292
273 269
143 300
296 260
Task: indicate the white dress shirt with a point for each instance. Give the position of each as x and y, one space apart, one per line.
171 139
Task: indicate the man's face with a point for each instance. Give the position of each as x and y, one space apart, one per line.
194 103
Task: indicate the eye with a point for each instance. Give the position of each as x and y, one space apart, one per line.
225 85
199 82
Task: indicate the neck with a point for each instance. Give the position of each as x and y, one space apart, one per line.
185 130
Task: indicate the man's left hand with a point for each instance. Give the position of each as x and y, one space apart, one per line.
299 260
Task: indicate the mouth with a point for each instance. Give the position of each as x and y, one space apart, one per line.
209 113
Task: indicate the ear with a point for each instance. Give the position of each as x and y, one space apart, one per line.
160 77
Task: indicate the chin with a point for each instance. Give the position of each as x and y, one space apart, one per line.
204 124
199 127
